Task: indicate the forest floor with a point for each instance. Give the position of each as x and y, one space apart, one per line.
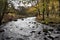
52 19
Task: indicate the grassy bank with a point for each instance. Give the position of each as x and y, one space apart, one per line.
52 19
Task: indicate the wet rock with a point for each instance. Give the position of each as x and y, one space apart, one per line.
16 26
22 19
28 25
29 22
10 19
1 30
39 33
51 22
20 39
50 37
50 29
3 22
53 25
21 29
45 33
59 25
33 32
15 20
33 27
8 37
34 22
2 39
45 38
2 26
58 32
11 25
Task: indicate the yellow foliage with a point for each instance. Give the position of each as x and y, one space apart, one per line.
12 14
31 9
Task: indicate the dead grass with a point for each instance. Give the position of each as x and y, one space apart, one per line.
51 19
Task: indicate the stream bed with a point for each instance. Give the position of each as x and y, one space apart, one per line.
23 29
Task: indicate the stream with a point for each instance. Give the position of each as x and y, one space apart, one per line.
23 29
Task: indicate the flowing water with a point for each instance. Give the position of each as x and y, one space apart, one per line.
23 29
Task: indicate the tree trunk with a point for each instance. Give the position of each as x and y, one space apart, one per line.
38 8
47 8
43 9
53 9
59 7
3 11
38 12
43 14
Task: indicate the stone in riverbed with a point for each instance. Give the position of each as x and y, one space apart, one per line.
22 19
39 32
29 22
28 25
33 32
15 20
45 38
34 22
59 25
33 27
8 37
20 39
21 29
1 30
